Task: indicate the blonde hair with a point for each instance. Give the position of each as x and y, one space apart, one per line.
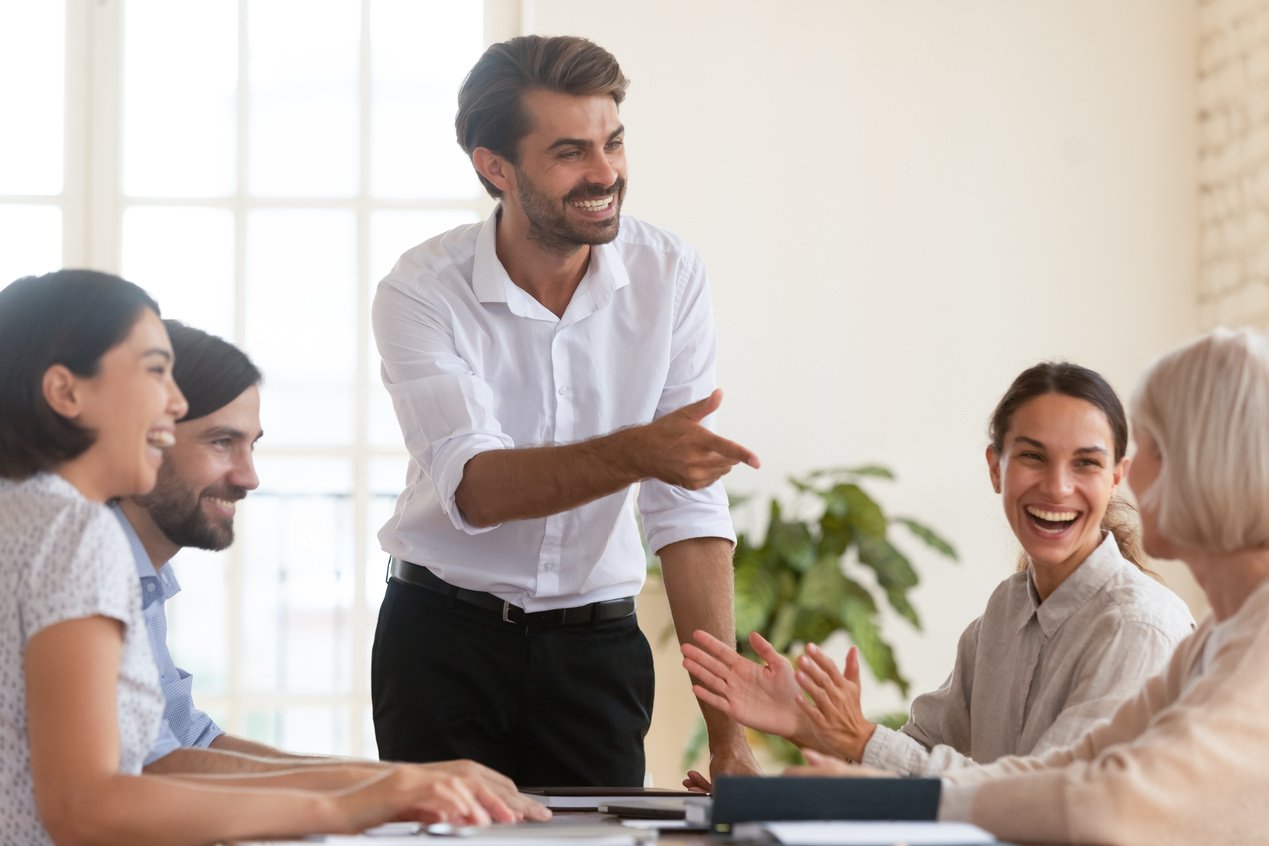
1206 406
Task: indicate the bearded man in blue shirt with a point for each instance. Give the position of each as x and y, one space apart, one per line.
204 475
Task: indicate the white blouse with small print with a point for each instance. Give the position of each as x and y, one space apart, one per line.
64 557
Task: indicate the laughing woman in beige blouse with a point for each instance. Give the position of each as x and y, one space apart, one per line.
1182 761
1061 643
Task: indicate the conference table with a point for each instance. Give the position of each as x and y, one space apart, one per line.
596 824
548 831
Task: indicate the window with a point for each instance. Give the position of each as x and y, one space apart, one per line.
258 165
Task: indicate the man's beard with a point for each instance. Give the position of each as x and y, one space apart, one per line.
549 224
178 513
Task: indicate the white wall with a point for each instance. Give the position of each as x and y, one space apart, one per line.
903 204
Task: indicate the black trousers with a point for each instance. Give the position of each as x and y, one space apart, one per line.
562 706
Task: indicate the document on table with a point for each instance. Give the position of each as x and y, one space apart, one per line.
590 798
869 833
555 833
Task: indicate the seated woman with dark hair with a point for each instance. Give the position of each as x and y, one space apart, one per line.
1061 643
1183 761
87 405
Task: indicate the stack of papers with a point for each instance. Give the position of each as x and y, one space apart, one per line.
590 798
869 833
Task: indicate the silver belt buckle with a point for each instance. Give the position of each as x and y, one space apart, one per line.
506 612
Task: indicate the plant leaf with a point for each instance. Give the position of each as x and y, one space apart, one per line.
894 574
874 470
858 599
899 602
864 514
928 535
814 625
782 628
757 590
892 568
823 587
803 486
836 533
876 653
792 543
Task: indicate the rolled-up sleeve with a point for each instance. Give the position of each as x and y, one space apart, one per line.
670 513
445 410
938 724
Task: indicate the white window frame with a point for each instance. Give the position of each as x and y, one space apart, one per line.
93 205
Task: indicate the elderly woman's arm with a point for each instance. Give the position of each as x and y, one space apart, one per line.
1173 766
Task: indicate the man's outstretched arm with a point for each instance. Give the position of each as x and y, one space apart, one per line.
518 484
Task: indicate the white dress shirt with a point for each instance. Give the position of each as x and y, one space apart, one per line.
474 363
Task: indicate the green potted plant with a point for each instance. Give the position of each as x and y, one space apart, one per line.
826 564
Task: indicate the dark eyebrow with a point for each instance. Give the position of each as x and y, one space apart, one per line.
166 354
1088 449
582 142
217 432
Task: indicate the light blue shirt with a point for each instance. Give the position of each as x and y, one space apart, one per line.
183 724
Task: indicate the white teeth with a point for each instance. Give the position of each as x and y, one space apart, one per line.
594 205
221 503
1052 516
160 438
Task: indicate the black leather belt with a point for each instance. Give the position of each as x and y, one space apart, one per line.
595 612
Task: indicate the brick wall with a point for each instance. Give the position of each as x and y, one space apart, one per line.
1233 114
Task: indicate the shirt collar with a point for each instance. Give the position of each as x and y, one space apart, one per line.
1081 586
605 275
166 585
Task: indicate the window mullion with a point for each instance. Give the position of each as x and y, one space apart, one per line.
236 589
95 209
360 668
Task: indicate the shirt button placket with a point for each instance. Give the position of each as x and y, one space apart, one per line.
553 536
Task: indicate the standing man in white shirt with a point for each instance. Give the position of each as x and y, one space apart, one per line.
542 365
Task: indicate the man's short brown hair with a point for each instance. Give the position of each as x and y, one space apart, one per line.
490 114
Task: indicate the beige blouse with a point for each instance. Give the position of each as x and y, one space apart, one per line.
1032 676
1185 761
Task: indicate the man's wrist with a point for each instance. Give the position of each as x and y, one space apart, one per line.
728 739
625 452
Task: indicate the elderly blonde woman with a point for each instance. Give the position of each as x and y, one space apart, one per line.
1184 761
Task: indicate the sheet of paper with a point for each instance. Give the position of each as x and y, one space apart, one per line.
617 838
555 833
876 833
589 799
